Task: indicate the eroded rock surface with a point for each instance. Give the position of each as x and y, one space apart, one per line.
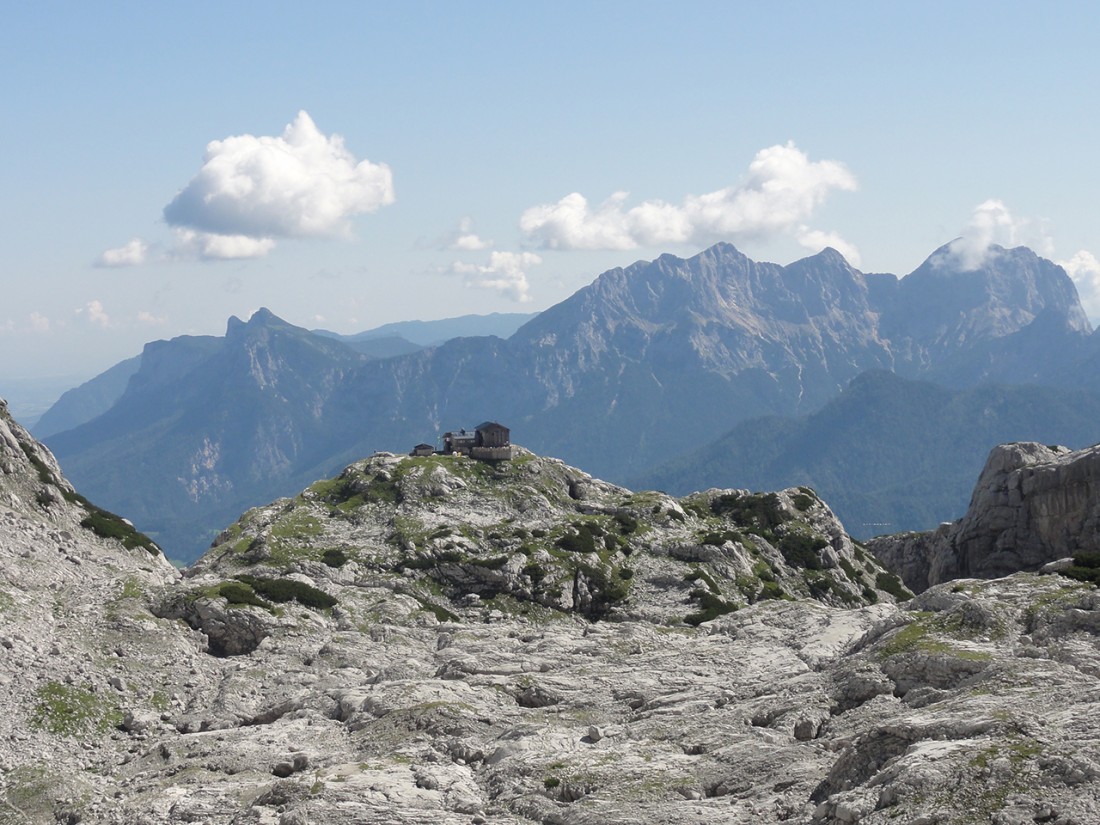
381 650
1033 504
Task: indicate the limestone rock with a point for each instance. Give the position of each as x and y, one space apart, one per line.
1032 505
373 690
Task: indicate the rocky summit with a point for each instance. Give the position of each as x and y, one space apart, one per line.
442 640
1033 505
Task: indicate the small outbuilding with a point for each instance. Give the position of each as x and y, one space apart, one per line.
423 449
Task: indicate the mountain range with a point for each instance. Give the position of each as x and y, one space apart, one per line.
890 454
645 364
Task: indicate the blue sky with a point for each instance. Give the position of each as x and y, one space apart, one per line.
481 157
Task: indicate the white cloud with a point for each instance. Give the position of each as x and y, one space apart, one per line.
39 322
149 319
207 246
132 254
815 240
300 184
465 239
505 272
991 223
95 313
470 242
1084 269
781 191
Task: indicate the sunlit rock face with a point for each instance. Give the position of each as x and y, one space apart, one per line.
1033 504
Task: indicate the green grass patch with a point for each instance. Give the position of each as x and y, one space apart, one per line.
920 636
66 710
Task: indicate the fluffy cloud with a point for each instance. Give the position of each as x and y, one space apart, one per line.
132 254
991 223
1084 269
208 246
781 191
300 184
95 313
815 240
466 239
39 322
505 272
149 319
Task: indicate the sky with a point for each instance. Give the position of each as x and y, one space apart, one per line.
166 166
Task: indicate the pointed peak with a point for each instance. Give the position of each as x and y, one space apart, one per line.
264 317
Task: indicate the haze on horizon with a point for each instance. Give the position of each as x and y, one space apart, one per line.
372 164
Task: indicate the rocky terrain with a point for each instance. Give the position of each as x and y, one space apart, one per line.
438 640
1033 505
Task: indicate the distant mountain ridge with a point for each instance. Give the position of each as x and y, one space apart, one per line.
646 363
892 454
97 395
433 333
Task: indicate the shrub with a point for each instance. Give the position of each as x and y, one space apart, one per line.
582 541
801 550
763 511
107 525
716 538
770 590
627 523
711 606
240 593
285 590
802 501
849 570
892 585
535 572
700 575
335 557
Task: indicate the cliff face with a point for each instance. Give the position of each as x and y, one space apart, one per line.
1032 504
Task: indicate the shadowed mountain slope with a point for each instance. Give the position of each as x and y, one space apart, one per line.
891 454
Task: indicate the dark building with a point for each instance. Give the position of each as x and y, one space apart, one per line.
489 440
492 434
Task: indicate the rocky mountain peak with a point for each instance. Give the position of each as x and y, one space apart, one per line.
533 534
948 300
